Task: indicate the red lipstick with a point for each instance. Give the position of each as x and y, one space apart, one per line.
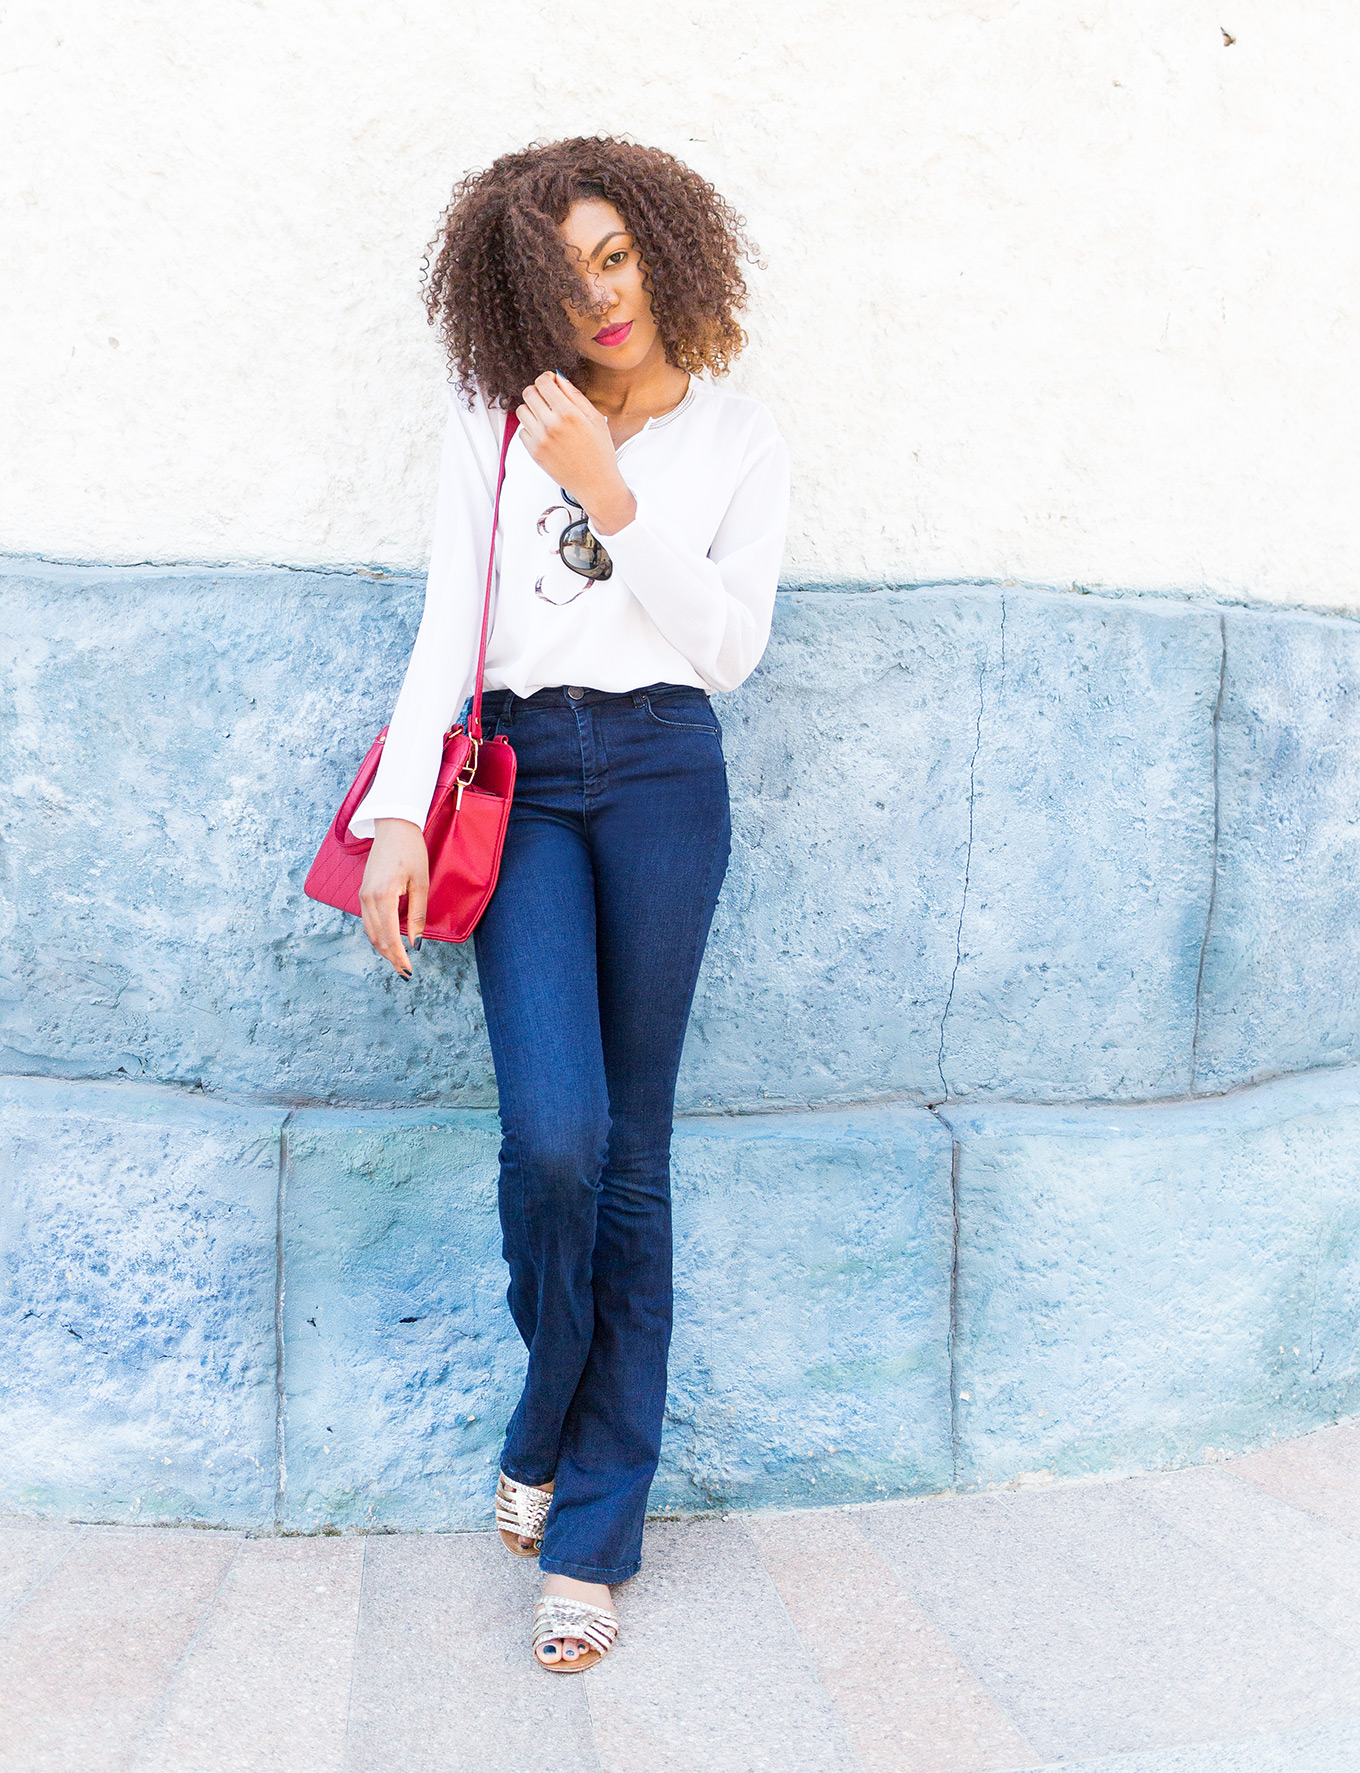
613 335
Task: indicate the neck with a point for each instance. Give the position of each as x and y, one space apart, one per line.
650 386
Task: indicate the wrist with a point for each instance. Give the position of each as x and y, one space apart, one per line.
611 510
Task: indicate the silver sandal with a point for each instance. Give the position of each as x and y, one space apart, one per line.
521 1510
558 1616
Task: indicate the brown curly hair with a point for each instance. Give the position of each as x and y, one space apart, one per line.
496 274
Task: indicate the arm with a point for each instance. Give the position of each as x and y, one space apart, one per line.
444 656
443 660
716 608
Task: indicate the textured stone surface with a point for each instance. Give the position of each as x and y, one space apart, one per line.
1088 871
1282 990
136 1304
1152 1285
1135 1287
401 1363
178 741
810 1359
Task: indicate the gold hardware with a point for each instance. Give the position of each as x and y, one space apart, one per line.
469 770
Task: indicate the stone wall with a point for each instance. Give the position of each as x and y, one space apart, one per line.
1019 1128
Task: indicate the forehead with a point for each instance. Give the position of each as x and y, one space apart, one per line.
588 222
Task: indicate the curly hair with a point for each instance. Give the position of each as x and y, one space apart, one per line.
496 275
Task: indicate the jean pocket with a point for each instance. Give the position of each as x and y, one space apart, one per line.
675 713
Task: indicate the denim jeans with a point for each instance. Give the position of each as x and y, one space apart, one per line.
588 955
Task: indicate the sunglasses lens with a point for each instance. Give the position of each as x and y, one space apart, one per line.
583 554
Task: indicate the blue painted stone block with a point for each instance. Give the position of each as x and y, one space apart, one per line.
811 1353
1089 870
401 1363
136 1304
1281 984
1138 1285
828 969
180 738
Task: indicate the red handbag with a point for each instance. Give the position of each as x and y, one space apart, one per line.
465 830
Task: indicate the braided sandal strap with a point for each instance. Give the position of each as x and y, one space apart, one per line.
558 1616
522 1509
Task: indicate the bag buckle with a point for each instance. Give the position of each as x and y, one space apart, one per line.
467 774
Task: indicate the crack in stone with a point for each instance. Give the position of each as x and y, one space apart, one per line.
968 850
1213 851
280 1450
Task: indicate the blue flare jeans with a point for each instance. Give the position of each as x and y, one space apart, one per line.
588 955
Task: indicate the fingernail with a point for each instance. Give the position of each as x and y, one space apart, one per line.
417 942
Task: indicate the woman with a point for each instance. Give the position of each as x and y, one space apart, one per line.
584 285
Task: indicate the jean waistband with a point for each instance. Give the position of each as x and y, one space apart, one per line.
568 696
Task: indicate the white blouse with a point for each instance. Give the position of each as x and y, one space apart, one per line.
690 599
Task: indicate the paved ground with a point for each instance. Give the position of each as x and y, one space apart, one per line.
1096 1626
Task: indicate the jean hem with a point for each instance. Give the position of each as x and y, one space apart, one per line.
534 1483
588 1572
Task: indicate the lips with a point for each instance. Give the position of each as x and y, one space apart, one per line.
613 335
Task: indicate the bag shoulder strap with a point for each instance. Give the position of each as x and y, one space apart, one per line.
475 717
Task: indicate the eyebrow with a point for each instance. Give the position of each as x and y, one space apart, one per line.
620 233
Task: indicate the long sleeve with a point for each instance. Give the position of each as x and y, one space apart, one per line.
716 609
443 660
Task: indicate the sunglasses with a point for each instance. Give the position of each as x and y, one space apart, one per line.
579 551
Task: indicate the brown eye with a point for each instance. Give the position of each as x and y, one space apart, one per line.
616 258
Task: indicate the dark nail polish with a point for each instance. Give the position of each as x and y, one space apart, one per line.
417 942
403 975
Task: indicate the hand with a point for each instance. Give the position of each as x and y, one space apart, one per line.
569 439
398 863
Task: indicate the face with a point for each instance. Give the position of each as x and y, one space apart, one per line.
620 333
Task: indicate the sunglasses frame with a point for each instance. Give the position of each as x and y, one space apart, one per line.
602 567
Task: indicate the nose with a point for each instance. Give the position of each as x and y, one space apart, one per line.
606 296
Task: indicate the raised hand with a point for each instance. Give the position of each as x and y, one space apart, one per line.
569 439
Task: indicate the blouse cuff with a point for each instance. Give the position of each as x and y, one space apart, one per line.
362 825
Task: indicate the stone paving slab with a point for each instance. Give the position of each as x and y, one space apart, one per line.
86 1661
909 1703
1321 1748
1186 1622
714 1675
1319 1472
1099 1628
442 1673
265 1683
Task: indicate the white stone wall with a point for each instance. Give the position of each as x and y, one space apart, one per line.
1056 291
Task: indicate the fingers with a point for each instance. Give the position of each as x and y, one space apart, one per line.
417 896
538 403
380 906
382 926
575 396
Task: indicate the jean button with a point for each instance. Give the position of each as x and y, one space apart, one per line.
575 693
